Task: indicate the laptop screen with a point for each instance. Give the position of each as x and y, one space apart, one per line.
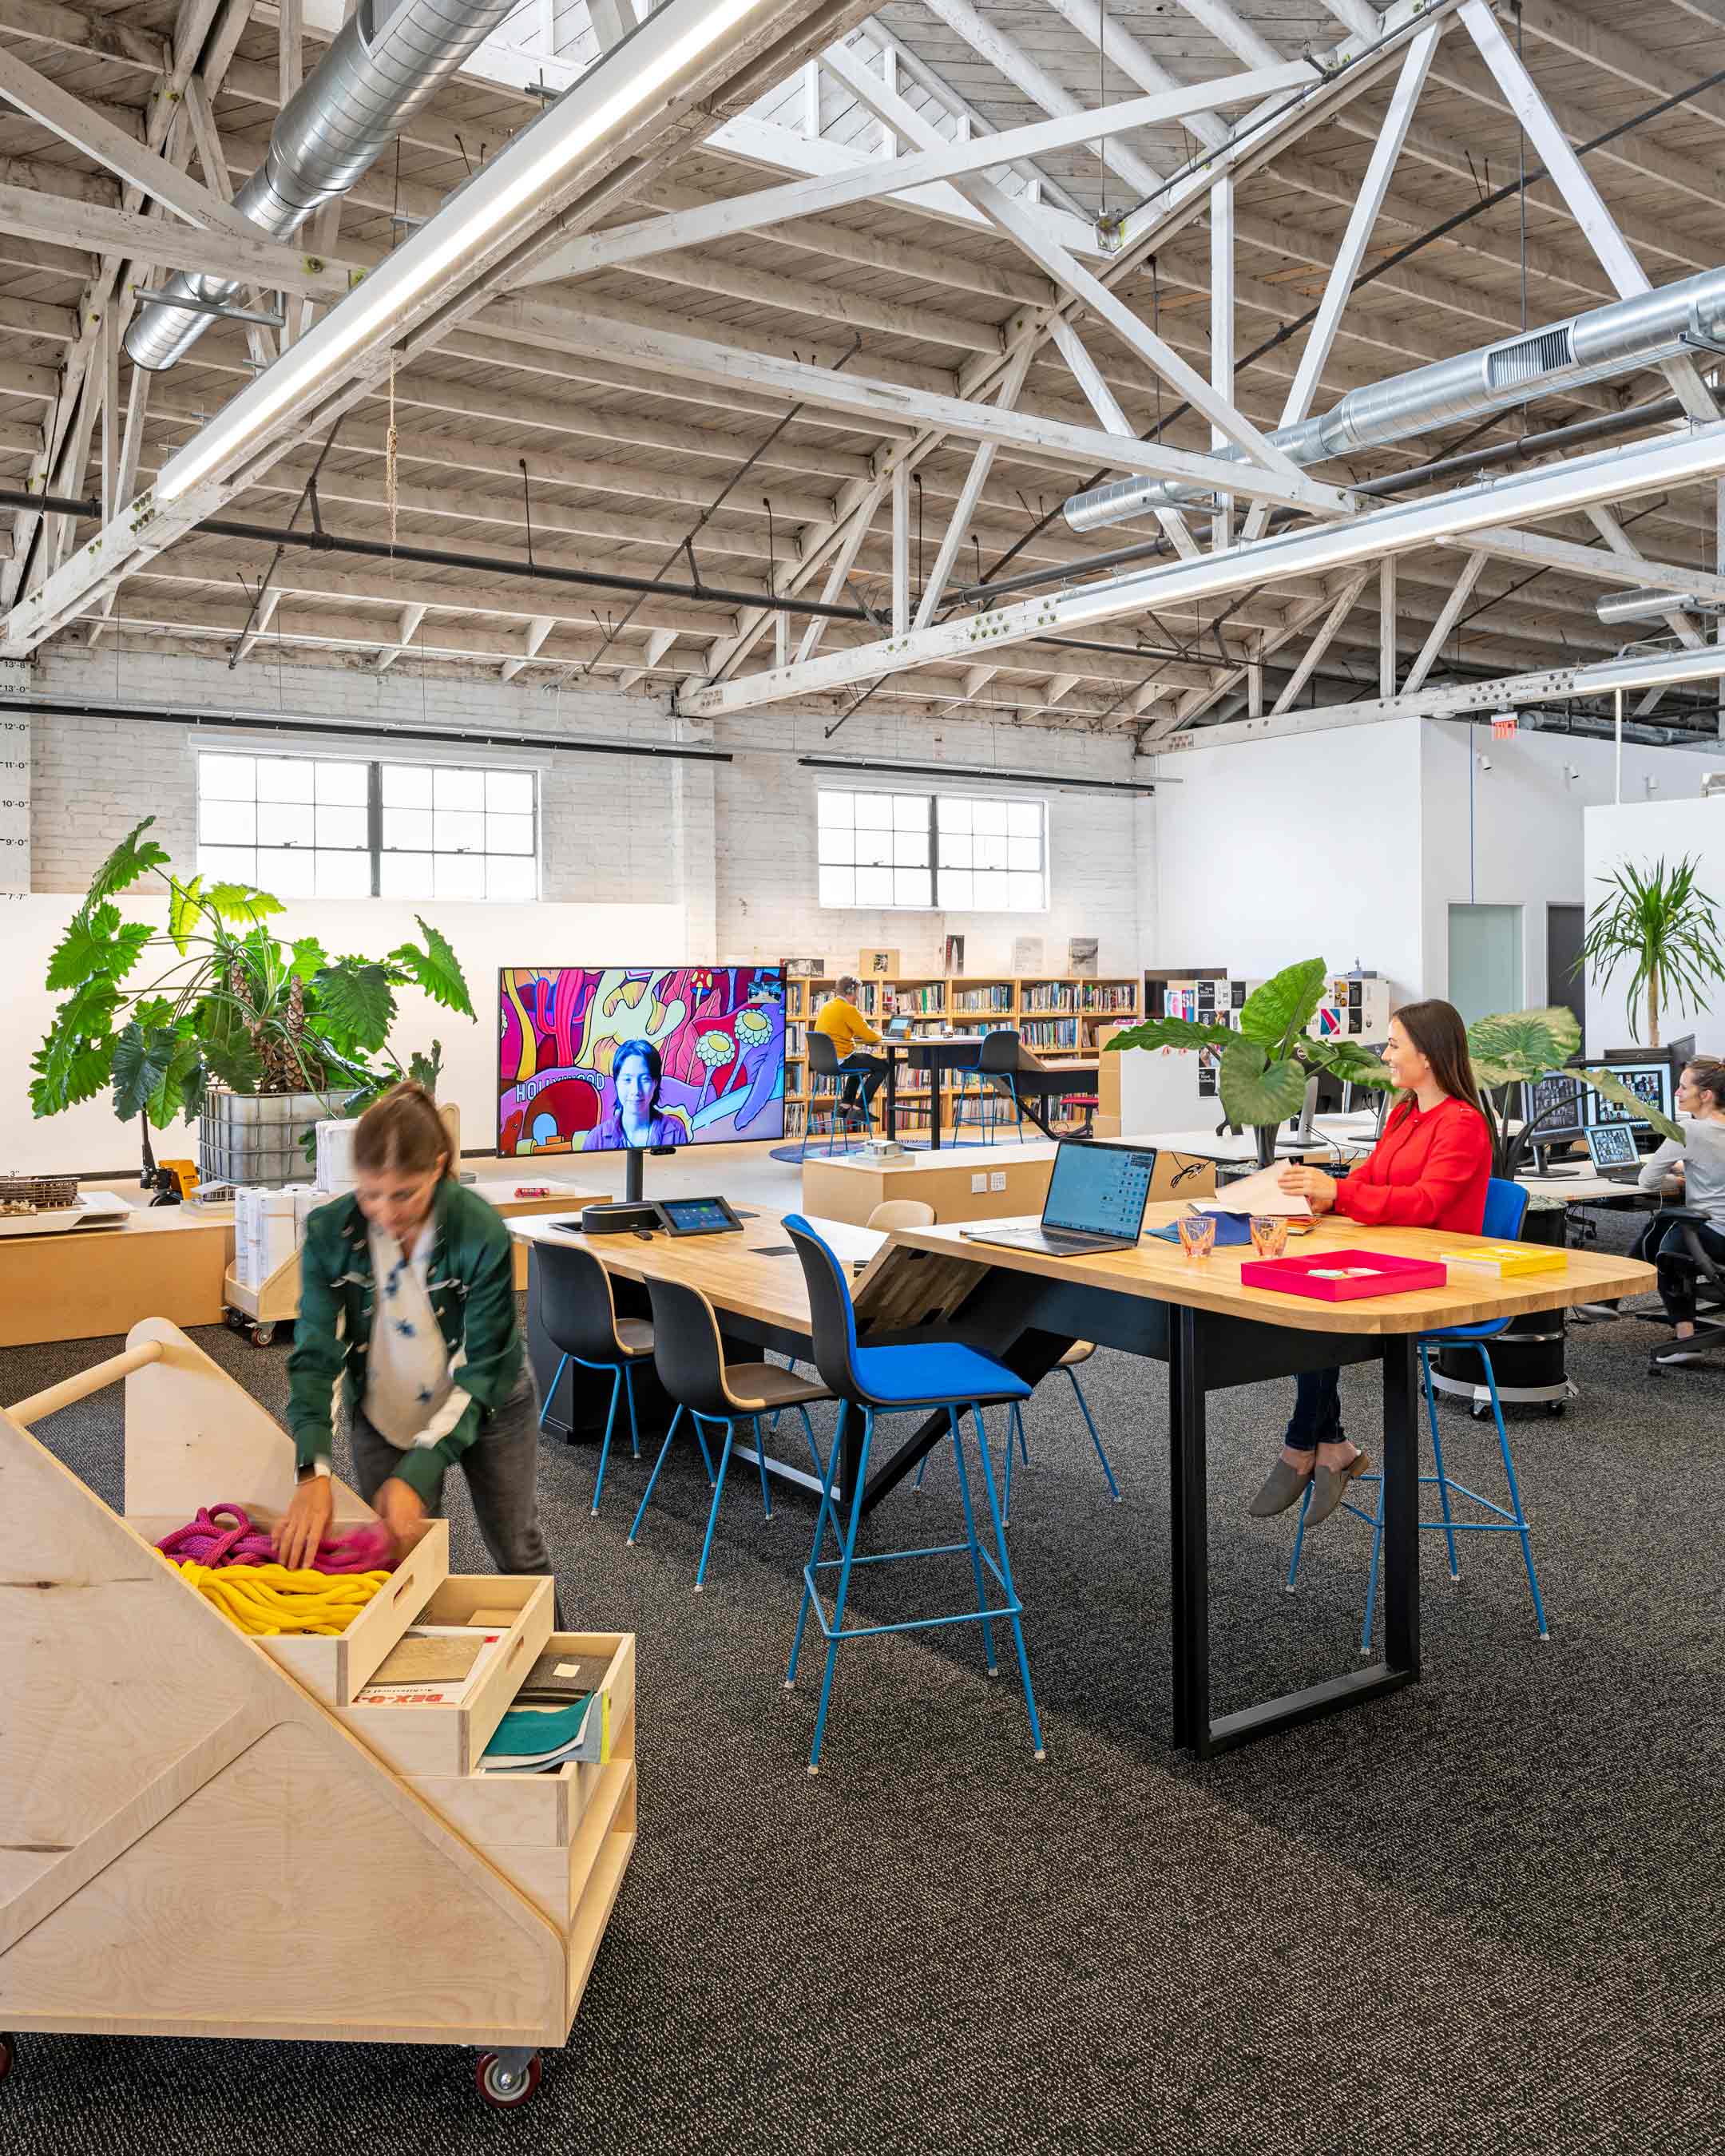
1099 1189
1613 1145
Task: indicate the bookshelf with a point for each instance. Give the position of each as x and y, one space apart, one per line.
1058 1015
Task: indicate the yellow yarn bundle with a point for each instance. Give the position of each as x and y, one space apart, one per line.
268 1599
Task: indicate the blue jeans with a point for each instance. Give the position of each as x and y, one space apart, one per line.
864 1074
1317 1411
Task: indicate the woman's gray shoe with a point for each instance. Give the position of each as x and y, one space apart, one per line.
1284 1486
1329 1487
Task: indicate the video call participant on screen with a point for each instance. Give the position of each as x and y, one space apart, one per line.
844 1026
1697 1167
637 1072
1429 1169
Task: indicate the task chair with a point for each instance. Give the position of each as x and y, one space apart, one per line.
920 1377
995 1071
1505 1209
841 1114
1693 1257
688 1355
577 1313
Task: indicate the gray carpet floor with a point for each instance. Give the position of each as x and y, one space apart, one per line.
1485 1914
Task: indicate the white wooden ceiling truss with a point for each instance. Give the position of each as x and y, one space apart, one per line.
782 411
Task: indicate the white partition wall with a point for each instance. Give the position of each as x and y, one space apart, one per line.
1642 832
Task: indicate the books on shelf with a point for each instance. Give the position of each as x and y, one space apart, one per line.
998 997
1039 1033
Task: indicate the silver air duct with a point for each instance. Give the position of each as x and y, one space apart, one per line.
1590 347
1647 603
384 65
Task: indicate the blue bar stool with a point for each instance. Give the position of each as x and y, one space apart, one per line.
688 1355
1081 1351
576 1310
1506 1210
919 1377
841 1114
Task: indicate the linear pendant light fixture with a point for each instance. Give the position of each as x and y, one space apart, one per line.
477 214
1061 781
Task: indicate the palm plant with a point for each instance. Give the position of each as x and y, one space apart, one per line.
1657 922
1268 1058
1521 1048
226 1003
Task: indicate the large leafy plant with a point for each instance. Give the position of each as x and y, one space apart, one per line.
1266 1062
1658 922
1521 1048
225 1003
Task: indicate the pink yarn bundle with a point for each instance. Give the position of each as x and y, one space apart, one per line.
224 1535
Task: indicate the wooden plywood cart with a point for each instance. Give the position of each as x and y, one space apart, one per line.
155 1756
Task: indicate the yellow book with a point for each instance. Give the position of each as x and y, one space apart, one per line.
1509 1260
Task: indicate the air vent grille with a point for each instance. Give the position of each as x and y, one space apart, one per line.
1513 366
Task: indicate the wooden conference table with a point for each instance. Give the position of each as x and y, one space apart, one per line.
1026 1307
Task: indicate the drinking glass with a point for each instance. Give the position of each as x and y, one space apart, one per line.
1198 1234
1269 1235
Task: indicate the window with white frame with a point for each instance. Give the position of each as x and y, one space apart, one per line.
945 852
334 827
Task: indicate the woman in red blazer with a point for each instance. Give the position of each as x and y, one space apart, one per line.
1429 1169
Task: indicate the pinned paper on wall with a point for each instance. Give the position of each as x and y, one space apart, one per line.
1026 954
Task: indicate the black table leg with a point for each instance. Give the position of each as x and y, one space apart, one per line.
936 1069
1401 1507
890 1122
1188 1525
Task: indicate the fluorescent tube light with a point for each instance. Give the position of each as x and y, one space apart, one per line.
476 215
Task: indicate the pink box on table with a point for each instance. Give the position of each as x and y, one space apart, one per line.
1378 1274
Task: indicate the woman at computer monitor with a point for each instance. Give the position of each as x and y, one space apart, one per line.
1697 1166
1429 1169
637 1072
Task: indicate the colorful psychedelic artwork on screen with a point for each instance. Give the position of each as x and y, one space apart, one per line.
600 1058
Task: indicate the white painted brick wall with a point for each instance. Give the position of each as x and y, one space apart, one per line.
734 842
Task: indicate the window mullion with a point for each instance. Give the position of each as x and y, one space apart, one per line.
934 850
374 824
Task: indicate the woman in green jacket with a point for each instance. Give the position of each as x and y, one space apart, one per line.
407 1307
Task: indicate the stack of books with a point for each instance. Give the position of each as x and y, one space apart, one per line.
560 1714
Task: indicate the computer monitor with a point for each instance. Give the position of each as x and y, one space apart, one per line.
1651 1079
1554 1107
638 1058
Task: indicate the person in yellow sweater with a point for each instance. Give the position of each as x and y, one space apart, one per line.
844 1026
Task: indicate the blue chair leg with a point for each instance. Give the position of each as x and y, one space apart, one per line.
921 1469
647 1493
829 1480
628 1394
1090 1425
712 1517
605 1444
550 1392
760 1462
1365 1630
1437 1454
1299 1541
976 1552
809 1432
1012 1592
706 1457
848 1559
1515 1495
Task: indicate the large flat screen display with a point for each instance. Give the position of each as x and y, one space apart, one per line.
608 1059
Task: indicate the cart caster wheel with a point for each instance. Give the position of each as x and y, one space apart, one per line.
1477 1411
8 2055
502 2087
236 1320
262 1335
1559 1407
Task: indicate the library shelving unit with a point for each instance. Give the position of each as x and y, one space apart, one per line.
1058 1015
159 1763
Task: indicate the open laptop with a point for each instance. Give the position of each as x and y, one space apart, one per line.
1612 1149
1095 1201
898 1029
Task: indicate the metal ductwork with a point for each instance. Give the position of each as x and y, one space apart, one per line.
1591 347
1649 602
385 64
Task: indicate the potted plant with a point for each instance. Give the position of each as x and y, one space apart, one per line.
258 1037
1267 1061
1521 1048
1657 921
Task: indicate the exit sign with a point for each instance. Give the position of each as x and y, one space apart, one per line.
1503 726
